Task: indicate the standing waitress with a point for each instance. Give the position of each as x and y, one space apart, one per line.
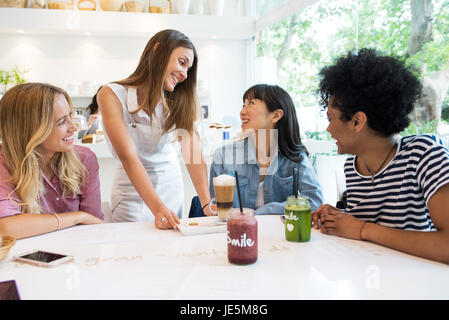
140 114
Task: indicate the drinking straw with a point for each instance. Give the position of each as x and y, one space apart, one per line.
238 190
295 184
295 192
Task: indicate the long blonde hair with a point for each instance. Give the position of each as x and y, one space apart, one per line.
181 105
26 121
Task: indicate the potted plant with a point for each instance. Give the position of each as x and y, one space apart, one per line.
11 78
5 79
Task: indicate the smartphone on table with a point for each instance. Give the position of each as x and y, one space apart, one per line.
43 258
9 291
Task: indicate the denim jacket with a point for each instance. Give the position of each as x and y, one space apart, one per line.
278 182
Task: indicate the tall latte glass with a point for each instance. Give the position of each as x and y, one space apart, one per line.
224 186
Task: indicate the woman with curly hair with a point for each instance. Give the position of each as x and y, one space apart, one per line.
396 187
46 182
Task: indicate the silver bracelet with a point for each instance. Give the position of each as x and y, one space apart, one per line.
59 221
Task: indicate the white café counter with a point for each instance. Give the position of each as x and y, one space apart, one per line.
137 261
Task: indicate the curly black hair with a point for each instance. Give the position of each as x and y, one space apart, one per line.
382 87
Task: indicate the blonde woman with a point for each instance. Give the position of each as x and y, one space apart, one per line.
140 114
46 183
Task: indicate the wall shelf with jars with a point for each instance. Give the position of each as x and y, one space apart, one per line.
126 18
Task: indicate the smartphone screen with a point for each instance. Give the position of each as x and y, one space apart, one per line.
43 256
283 218
8 290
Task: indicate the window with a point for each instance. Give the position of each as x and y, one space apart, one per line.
302 43
265 6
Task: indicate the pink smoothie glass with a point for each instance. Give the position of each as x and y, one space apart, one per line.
242 236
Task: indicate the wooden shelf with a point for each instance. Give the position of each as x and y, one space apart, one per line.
105 23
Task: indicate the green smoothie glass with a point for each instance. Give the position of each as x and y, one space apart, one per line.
298 219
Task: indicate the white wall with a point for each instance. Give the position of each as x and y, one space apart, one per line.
63 59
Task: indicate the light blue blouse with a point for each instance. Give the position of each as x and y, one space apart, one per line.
278 182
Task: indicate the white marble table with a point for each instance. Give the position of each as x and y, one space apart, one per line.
137 261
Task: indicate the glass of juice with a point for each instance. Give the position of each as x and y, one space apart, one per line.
242 236
298 219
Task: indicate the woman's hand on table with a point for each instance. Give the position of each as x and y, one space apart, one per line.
87 218
318 214
166 219
330 220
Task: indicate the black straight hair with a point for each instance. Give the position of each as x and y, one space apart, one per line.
93 106
289 140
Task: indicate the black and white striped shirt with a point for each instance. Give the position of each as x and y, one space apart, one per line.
400 192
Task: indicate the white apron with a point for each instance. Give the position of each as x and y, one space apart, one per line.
158 156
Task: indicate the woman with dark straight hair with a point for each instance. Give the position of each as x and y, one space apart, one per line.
140 116
267 155
275 97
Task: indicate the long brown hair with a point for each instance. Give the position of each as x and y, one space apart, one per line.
181 105
26 121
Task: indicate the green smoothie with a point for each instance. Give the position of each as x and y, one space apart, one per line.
298 219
